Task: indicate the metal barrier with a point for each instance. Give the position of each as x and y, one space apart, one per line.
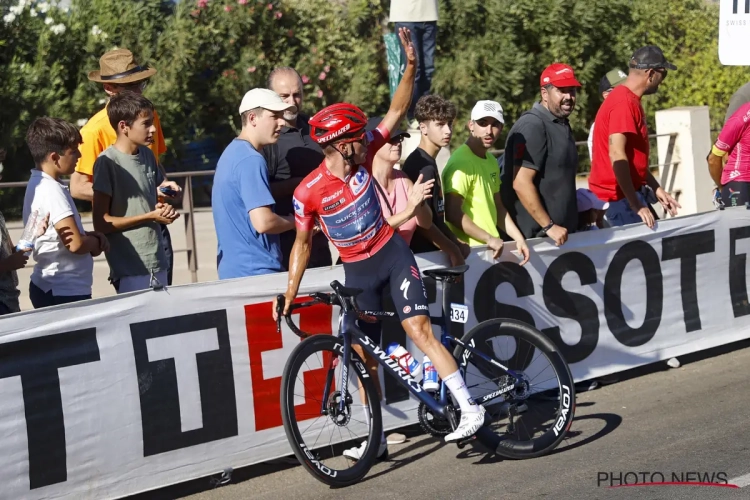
188 209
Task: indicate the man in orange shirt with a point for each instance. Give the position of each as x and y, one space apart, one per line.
118 71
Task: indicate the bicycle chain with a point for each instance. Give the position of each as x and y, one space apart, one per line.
434 425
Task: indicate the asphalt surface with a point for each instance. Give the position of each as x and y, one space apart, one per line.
655 419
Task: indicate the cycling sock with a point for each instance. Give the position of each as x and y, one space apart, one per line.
457 386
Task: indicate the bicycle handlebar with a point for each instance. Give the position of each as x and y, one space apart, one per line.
331 299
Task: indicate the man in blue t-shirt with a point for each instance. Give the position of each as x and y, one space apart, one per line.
246 226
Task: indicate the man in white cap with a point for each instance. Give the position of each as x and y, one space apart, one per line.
243 207
471 183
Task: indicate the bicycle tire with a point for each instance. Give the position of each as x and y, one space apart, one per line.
331 477
565 413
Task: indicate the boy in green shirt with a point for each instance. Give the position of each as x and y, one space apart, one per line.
471 182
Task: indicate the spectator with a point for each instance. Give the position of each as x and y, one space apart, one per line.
619 171
471 181
539 185
400 198
435 116
118 71
608 82
738 99
10 261
290 159
243 207
64 269
420 17
125 207
732 178
590 210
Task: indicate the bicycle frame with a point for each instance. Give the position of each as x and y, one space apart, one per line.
348 332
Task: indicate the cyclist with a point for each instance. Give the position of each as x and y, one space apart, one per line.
341 197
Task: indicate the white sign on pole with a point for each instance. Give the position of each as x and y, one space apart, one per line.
734 32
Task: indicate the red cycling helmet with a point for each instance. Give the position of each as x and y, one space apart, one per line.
338 121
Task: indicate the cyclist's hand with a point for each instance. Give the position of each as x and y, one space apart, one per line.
411 54
496 245
420 191
523 249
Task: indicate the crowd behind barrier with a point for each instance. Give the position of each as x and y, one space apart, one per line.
162 386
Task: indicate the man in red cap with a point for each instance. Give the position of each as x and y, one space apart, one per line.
619 169
541 160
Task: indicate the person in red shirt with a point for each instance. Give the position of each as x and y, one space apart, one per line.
340 196
619 170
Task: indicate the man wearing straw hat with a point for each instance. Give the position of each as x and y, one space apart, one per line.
118 71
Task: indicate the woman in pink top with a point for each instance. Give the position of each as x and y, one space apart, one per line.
401 204
733 146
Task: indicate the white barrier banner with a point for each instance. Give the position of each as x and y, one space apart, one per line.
111 397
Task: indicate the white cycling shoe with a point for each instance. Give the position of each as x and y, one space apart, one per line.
357 452
469 425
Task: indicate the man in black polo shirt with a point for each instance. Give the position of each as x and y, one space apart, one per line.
435 116
540 190
294 156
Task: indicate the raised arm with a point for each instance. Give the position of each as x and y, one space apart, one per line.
405 90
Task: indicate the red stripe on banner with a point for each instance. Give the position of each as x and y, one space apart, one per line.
262 337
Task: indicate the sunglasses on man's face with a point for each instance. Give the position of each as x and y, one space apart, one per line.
397 140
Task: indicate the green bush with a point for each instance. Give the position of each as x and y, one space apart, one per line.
209 52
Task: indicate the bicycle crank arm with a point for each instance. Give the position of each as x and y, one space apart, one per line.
463 442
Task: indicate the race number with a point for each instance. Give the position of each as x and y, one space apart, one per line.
459 313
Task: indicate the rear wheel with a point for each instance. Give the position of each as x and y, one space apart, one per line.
525 419
317 430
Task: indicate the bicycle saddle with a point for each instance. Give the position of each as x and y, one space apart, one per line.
446 272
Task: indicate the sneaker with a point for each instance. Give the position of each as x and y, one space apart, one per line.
469 425
357 452
396 438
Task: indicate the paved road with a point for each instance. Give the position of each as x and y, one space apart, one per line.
692 419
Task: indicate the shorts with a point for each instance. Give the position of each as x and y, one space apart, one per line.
619 212
735 194
392 266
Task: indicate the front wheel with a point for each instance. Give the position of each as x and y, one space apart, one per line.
316 427
525 419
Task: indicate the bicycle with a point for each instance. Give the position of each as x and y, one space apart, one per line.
504 387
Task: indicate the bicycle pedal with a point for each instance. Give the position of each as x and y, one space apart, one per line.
463 442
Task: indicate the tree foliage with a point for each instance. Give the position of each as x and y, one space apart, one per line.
209 52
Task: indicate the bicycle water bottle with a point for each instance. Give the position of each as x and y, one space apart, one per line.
405 360
430 380
30 233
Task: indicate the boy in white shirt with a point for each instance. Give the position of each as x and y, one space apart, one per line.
64 266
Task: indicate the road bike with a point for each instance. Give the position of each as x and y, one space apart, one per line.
510 368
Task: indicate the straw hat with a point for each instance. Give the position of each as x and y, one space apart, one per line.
119 66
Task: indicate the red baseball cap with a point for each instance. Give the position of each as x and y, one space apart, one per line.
559 75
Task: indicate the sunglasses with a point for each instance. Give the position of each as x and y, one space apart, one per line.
397 140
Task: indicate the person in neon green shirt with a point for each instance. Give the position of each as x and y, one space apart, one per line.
471 182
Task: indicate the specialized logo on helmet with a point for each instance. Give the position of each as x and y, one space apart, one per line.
299 207
359 181
333 135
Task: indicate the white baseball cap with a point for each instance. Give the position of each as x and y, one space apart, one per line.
266 99
485 109
587 200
